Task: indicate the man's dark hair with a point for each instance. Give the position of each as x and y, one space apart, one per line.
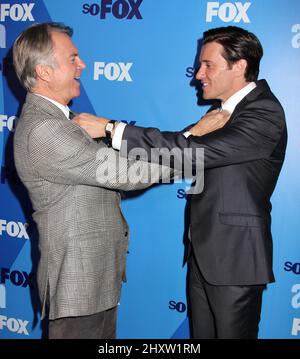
238 44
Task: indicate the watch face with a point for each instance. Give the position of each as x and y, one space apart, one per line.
109 127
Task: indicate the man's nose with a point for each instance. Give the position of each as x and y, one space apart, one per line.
200 74
81 63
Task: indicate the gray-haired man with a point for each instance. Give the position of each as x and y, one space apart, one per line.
73 184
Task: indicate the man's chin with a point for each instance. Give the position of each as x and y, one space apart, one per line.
206 96
77 94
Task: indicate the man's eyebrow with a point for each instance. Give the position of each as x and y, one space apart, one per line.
205 61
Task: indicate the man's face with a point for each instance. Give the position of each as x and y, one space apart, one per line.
64 79
218 80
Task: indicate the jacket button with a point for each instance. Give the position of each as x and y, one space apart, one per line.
126 234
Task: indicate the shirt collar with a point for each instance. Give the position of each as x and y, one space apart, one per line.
230 104
64 109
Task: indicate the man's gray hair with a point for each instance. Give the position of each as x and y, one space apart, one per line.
33 47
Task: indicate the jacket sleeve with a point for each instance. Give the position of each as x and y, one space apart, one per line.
61 152
252 134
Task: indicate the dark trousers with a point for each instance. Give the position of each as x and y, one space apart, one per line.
101 325
222 312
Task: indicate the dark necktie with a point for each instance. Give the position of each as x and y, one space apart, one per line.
71 115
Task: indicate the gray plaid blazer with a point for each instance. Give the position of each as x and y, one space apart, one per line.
73 184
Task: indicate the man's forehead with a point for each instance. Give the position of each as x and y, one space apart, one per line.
211 49
61 38
63 42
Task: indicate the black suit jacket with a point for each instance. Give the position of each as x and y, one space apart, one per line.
230 222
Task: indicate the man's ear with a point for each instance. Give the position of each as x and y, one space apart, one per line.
240 67
43 72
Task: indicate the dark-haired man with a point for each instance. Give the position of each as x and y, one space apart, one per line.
230 222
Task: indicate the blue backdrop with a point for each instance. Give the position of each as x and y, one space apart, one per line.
140 56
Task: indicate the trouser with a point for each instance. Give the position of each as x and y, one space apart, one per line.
101 325
222 312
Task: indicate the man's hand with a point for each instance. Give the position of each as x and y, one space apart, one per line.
210 122
93 125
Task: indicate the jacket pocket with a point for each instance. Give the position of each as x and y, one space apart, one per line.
241 219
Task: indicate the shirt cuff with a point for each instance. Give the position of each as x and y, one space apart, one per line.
187 134
117 137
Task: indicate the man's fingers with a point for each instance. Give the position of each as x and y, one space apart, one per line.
93 125
212 121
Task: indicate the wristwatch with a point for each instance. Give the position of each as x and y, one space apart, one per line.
109 127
